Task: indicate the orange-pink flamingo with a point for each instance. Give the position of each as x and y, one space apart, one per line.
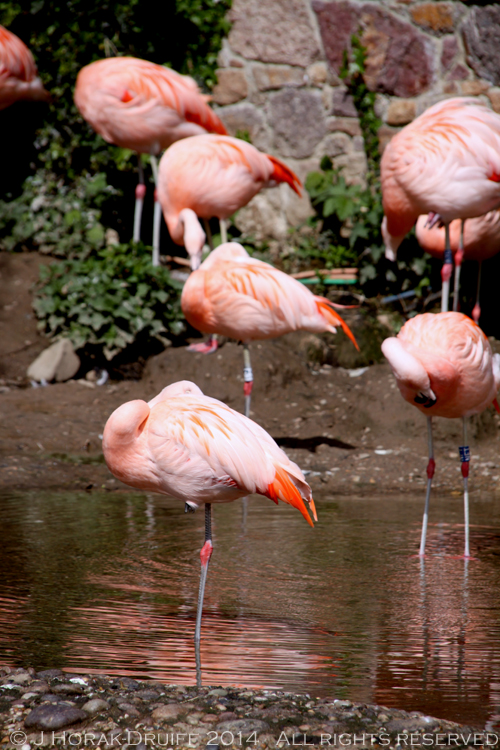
446 163
246 299
145 107
476 239
18 73
444 366
212 175
197 449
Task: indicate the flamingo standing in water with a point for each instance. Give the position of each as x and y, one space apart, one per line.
446 163
444 366
145 107
212 175
197 449
244 298
18 72
477 239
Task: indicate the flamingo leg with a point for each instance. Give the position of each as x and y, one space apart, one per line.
476 312
208 232
223 230
205 555
140 193
430 473
156 215
459 256
247 378
206 347
446 270
465 461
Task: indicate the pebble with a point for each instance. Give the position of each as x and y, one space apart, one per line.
54 717
95 705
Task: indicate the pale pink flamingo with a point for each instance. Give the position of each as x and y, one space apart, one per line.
477 239
18 73
246 299
212 175
145 107
445 163
444 366
197 449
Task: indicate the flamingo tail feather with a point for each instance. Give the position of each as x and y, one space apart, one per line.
334 319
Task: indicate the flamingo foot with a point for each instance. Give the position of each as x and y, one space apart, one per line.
206 347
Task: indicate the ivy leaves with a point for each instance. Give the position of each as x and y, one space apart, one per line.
109 300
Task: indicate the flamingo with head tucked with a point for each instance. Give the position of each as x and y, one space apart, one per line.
18 73
145 107
197 449
445 163
246 299
444 366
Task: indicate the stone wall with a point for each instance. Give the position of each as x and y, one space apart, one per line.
278 80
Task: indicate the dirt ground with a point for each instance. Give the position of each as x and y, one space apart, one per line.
347 427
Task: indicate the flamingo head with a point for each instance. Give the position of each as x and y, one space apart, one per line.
391 242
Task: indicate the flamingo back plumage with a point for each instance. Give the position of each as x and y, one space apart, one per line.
244 298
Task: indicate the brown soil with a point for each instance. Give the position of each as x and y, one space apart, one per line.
328 421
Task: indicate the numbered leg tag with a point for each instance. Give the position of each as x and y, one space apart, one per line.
247 374
464 452
448 256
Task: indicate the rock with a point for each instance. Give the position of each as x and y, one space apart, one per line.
126 683
20 679
317 73
219 692
275 31
458 73
494 97
353 166
245 726
169 711
343 103
336 144
437 17
147 695
263 217
481 32
49 674
298 120
231 86
474 88
399 58
449 52
67 689
246 117
129 709
344 125
54 716
401 112
269 77
59 362
384 135
95 705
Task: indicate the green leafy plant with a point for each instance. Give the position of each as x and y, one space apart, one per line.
109 300
52 217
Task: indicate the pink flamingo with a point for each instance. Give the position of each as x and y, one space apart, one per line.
197 449
446 163
246 299
477 239
212 175
18 73
145 107
444 366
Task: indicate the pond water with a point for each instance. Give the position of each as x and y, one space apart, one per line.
107 583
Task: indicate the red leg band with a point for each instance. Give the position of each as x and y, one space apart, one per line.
247 388
206 552
140 191
465 469
431 466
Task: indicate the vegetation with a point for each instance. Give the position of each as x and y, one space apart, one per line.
63 195
109 300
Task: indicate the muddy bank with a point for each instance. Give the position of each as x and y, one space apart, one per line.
349 429
53 709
